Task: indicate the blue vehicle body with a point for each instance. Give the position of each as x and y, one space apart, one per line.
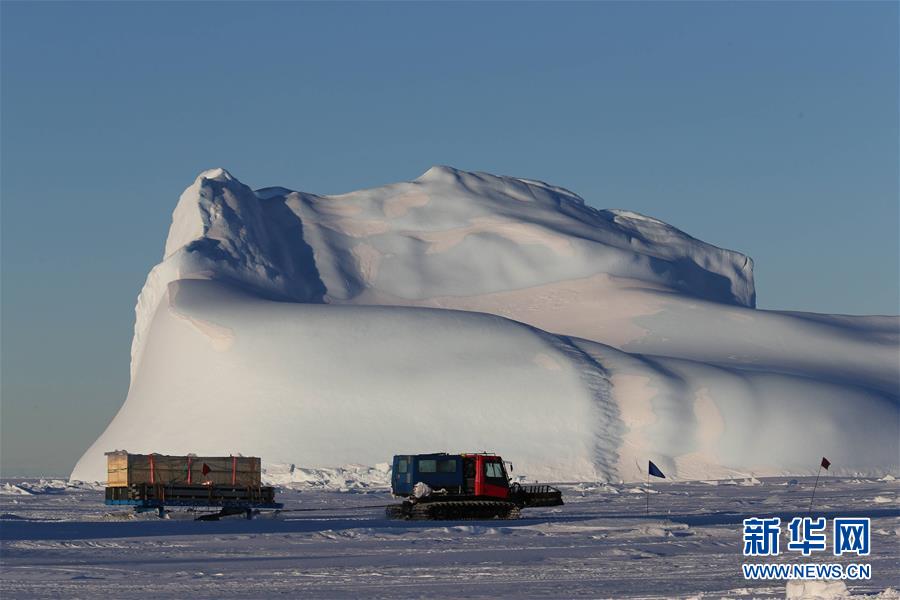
438 470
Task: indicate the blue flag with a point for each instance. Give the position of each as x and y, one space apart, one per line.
654 470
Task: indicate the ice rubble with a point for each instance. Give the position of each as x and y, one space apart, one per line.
349 478
44 486
9 489
465 311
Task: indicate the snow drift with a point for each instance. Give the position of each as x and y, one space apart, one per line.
465 311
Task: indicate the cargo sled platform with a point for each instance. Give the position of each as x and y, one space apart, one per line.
231 500
155 481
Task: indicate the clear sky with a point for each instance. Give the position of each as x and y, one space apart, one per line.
769 128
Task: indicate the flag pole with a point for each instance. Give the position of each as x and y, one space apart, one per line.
809 512
647 490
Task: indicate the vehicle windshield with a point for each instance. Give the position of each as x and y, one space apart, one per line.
494 470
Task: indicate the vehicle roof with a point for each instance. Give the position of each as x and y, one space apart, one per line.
446 454
426 455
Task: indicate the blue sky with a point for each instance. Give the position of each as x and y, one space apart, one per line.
769 128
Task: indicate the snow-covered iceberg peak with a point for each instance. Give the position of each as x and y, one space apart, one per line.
404 240
222 229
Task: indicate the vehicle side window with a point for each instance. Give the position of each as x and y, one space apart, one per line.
427 466
446 466
493 470
402 465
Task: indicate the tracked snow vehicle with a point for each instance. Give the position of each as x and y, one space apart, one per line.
461 486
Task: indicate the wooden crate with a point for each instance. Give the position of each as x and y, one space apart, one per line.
124 469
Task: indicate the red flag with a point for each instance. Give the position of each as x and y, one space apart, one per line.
825 463
205 470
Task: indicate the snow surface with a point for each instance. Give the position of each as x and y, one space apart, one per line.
464 311
326 544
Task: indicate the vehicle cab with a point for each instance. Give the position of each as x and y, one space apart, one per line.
491 479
